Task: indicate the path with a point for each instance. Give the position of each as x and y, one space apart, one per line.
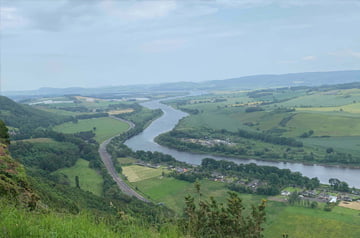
106 158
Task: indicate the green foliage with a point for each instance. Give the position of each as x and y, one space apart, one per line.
211 219
105 127
26 118
4 135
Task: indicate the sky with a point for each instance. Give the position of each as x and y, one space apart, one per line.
95 43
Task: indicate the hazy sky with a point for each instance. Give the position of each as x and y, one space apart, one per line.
90 43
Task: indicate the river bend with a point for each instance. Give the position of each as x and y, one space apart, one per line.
170 118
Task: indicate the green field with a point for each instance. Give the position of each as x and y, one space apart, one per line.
323 125
135 173
296 221
89 179
345 144
106 127
171 191
350 108
126 160
299 222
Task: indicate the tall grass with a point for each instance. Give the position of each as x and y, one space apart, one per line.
18 222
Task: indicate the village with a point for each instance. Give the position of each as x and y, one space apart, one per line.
322 194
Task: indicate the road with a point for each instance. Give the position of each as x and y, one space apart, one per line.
106 158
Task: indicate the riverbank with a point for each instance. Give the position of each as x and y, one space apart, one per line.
170 118
226 155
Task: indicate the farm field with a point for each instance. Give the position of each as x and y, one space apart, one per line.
345 144
350 108
105 127
135 173
323 125
38 140
89 179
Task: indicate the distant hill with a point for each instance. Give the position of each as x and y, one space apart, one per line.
286 80
25 118
247 82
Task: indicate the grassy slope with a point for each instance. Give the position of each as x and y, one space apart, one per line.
15 222
323 125
105 127
301 222
89 179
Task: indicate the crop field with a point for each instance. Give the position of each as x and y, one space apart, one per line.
89 179
323 125
115 112
135 173
325 99
38 140
105 127
345 144
350 108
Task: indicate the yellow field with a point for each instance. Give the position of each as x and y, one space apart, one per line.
115 112
87 99
135 173
38 140
351 108
352 205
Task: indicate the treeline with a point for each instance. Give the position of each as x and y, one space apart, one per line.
120 150
271 179
63 152
264 137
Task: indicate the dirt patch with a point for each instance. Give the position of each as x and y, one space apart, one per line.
115 112
352 205
2 151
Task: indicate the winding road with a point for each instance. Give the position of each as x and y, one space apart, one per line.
106 158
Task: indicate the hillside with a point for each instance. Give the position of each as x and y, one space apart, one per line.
23 119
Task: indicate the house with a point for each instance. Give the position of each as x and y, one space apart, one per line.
285 193
332 199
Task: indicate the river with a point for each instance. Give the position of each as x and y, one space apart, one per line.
171 116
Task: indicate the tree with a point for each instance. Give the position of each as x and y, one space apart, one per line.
77 183
211 219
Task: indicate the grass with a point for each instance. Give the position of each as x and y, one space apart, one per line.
16 222
38 140
89 179
135 173
105 127
301 222
171 191
323 125
126 160
345 144
350 108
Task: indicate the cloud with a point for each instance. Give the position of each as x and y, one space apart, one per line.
345 53
10 17
139 10
309 58
282 3
164 45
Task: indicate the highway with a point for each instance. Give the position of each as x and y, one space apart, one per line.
106 158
